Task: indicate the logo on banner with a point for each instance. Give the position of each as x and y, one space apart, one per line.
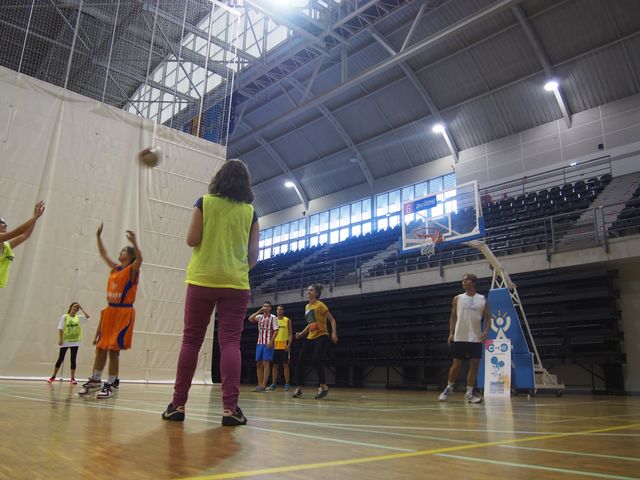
497 381
500 324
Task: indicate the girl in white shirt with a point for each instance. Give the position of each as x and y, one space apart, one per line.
69 337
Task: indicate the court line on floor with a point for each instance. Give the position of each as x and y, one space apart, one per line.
567 452
582 473
398 456
353 429
206 419
606 417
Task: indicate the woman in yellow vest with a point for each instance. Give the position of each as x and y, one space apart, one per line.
10 239
69 337
224 234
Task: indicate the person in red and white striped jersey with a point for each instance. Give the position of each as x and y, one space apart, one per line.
267 328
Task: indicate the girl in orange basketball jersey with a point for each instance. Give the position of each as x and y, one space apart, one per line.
116 321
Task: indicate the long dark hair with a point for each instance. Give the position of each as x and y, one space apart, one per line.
232 181
71 306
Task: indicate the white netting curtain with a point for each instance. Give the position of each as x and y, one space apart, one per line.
78 155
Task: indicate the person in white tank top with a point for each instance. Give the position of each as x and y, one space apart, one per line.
466 335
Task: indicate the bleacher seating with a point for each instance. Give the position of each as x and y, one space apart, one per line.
628 221
513 225
336 261
572 313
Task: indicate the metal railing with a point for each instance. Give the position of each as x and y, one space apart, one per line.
556 177
558 233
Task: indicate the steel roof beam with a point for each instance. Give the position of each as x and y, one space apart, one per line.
540 52
385 65
346 138
149 7
285 168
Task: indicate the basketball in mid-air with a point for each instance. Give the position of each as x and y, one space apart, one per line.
150 157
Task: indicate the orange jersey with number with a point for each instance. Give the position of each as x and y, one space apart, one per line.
122 286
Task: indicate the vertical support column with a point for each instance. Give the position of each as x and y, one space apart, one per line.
26 36
179 60
206 70
73 44
113 39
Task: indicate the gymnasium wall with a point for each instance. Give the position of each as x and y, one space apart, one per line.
615 126
79 156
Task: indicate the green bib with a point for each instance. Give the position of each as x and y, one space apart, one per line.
222 258
72 330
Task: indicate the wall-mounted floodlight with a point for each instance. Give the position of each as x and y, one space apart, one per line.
551 86
438 128
554 87
290 184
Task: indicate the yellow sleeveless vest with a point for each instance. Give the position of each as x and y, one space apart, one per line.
221 260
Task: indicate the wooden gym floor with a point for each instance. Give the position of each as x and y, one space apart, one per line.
49 432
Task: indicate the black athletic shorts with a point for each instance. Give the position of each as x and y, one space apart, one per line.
280 356
463 350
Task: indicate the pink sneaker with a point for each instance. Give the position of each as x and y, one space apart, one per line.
51 380
73 381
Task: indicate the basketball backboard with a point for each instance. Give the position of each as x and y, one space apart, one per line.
454 215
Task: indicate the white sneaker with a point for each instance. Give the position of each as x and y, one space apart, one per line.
443 397
471 398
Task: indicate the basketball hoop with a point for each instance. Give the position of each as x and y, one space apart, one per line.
431 237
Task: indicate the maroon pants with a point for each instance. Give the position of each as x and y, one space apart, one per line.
198 307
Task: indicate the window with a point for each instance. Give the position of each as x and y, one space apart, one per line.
324 222
356 218
366 209
394 201
285 232
344 215
382 205
334 218
356 212
314 223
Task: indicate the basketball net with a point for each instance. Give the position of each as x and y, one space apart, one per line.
428 247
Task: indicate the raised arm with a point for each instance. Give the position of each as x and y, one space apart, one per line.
452 320
86 315
131 236
252 317
103 252
19 234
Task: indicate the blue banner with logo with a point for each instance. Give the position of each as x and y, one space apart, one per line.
505 324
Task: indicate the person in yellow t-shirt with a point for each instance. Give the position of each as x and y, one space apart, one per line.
12 238
282 346
316 343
